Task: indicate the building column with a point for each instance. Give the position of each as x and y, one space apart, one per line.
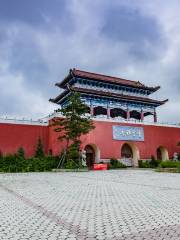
142 116
127 114
92 110
155 116
108 112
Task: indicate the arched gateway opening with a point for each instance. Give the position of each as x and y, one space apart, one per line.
162 153
126 151
130 154
92 155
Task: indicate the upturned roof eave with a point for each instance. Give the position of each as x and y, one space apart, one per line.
63 83
59 97
110 95
148 101
129 83
120 96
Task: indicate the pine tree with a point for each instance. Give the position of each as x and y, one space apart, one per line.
39 153
73 125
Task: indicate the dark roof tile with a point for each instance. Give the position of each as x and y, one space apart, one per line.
100 77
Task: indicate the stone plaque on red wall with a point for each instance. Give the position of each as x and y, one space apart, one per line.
128 133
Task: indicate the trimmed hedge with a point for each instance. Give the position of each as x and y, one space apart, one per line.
149 164
114 163
15 163
158 164
143 164
169 164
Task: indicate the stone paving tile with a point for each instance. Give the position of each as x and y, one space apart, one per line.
124 204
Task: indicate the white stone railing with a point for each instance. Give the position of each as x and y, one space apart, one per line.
165 124
44 121
41 122
104 118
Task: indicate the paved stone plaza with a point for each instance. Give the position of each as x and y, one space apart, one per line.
119 204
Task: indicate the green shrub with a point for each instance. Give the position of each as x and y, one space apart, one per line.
21 152
1 155
153 163
16 163
39 152
72 157
46 163
114 163
73 152
11 163
70 165
144 164
169 164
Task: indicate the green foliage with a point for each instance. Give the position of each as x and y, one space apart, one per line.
47 163
114 163
178 145
169 164
1 154
74 124
72 158
15 163
143 164
70 165
153 163
158 163
11 163
73 153
39 152
21 152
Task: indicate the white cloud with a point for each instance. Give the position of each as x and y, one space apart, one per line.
17 99
85 47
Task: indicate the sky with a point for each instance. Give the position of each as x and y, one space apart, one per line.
40 40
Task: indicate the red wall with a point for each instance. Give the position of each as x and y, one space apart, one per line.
12 136
101 136
154 136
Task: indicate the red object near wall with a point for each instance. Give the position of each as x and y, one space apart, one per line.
100 166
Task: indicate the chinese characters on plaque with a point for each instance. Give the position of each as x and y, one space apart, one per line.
128 133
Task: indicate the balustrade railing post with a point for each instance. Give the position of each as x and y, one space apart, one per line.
155 117
127 115
92 110
142 116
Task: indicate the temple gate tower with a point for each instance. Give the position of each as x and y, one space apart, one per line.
110 97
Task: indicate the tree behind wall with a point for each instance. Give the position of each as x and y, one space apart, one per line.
73 125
